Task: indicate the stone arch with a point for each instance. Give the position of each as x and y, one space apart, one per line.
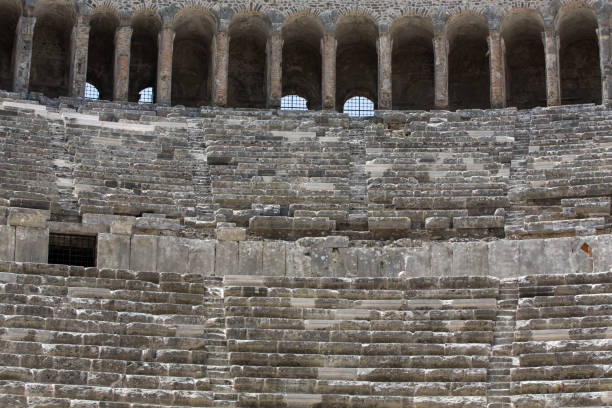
356 58
146 24
413 62
302 59
468 61
579 65
249 32
103 23
50 67
192 56
521 31
10 10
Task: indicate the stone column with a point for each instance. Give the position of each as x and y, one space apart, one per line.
24 37
274 75
605 44
164 64
553 82
123 42
221 63
328 88
497 70
78 64
440 44
385 85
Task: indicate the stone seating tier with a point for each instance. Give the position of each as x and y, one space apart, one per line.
74 336
440 174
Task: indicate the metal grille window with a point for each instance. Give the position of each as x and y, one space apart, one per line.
77 250
359 106
146 96
293 102
91 92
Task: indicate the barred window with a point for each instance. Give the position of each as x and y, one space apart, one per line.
91 92
78 250
293 102
146 95
359 106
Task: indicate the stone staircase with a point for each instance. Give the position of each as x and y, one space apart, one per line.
360 342
501 360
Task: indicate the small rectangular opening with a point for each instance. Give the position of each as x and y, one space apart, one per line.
77 250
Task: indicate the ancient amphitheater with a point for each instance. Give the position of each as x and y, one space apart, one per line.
285 203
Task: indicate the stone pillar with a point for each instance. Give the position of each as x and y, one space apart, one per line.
440 44
164 65
274 85
385 85
24 37
328 88
78 64
123 42
221 64
553 82
497 70
605 52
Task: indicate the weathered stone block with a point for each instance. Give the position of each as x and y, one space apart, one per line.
470 259
504 258
172 255
28 217
298 260
321 261
485 221
31 244
7 243
274 260
437 223
250 258
231 234
441 259
113 251
226 258
201 256
324 242
418 261
143 253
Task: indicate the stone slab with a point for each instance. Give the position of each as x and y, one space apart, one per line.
172 255
143 253
226 258
31 244
201 257
113 251
250 258
28 217
7 243
274 259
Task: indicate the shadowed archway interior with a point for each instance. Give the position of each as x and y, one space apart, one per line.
579 56
525 60
468 62
413 63
9 18
143 55
51 47
356 59
192 57
100 60
302 59
247 61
